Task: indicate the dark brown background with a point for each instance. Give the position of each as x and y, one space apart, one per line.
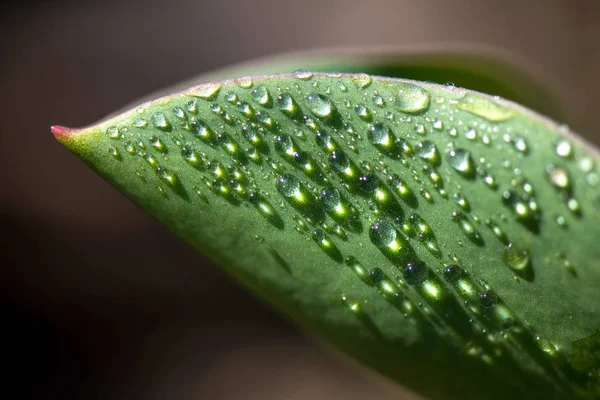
97 300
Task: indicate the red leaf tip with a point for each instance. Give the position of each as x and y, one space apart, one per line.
61 132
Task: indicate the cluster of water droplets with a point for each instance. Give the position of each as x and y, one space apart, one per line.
339 170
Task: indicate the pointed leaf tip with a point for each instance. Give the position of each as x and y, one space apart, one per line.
61 132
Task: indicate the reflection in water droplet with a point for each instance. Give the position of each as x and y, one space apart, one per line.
484 107
411 98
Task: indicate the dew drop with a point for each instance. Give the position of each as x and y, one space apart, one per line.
452 273
288 185
179 113
113 132
261 95
112 150
429 152
160 121
516 258
489 299
564 149
415 272
462 162
320 106
207 91
302 74
244 82
288 106
362 81
467 227
383 234
379 134
363 112
558 176
484 107
412 99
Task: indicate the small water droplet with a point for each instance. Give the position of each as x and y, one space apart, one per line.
320 106
516 258
261 95
467 227
383 234
521 144
288 185
112 150
113 132
564 149
302 74
244 82
558 176
428 152
160 121
489 299
363 112
288 106
462 162
362 81
415 272
452 273
412 99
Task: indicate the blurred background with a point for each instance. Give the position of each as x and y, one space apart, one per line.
98 300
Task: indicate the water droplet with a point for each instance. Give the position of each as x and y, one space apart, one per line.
288 106
438 125
160 121
325 141
140 123
158 144
521 144
340 162
467 227
284 145
288 185
516 258
497 231
207 91
362 81
452 273
200 130
244 82
192 158
558 176
462 202
429 152
484 107
130 147
368 184
363 112
192 106
112 150
261 95
462 162
358 269
415 272
403 190
320 106
327 245
564 149
525 209
379 134
411 98
378 100
302 74
383 234
489 299
113 132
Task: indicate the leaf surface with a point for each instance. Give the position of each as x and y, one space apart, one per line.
443 237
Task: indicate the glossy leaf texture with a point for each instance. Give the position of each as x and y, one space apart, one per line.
446 238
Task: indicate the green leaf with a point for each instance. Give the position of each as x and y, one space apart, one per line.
446 238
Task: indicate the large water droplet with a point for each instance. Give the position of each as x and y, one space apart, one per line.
288 106
411 98
362 81
484 107
564 149
261 95
452 273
